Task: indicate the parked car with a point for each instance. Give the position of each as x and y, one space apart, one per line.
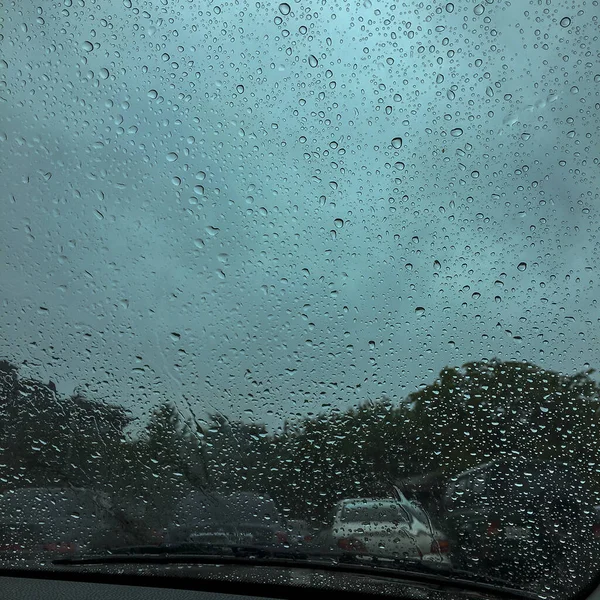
386 528
596 523
51 521
301 532
243 519
506 515
131 524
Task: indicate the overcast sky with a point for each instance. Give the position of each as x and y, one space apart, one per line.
267 211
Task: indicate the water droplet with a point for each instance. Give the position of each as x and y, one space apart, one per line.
212 231
397 143
408 266
339 223
449 7
474 174
456 132
172 156
240 89
165 57
439 78
176 181
104 73
87 46
388 110
371 345
437 265
200 175
522 266
450 95
419 311
565 22
153 94
284 8
312 61
525 136
399 166
479 9
489 91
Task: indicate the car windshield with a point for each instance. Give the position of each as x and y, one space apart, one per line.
260 260
372 513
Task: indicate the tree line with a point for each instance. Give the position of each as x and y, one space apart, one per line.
468 415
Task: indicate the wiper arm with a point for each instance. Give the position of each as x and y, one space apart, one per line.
409 570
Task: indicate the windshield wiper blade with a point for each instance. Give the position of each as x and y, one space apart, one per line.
409 570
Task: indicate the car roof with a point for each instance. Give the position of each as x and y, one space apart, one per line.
369 501
514 462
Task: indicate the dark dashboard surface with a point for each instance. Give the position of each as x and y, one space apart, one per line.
17 588
223 582
187 584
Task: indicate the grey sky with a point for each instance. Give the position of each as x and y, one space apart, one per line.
295 276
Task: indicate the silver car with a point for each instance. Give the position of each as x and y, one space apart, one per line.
387 528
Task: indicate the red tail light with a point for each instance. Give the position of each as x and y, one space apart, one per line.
158 535
282 537
12 547
351 545
440 547
493 528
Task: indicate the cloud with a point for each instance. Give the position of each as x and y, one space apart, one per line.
209 201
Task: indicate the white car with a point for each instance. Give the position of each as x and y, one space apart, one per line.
387 528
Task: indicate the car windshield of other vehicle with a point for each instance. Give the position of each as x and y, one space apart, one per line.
302 281
367 513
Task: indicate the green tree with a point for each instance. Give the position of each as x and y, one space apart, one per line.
486 410
45 439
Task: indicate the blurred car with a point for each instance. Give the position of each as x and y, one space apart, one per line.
596 524
301 532
512 513
130 524
387 528
423 522
51 521
243 519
